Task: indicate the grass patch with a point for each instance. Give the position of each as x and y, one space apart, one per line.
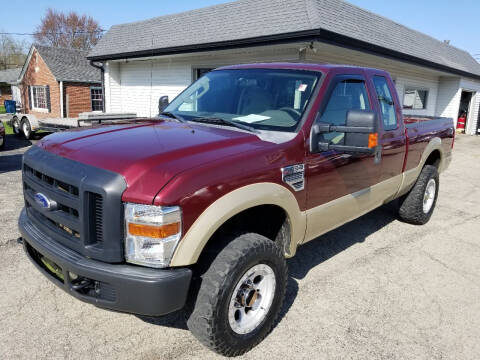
8 129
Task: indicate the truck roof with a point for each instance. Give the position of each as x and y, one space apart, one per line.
297 66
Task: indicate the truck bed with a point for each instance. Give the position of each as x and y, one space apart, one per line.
420 130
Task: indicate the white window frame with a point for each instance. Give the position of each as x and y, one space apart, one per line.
414 88
91 99
34 107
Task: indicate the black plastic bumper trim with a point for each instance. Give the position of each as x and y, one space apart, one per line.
138 290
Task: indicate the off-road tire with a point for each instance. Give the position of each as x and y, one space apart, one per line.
28 135
411 204
209 320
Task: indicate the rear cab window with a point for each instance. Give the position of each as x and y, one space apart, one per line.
386 102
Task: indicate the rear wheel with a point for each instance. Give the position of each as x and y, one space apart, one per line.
417 206
240 295
27 129
2 141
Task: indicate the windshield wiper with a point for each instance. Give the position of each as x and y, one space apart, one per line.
173 116
220 121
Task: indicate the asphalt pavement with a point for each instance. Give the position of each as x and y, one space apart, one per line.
375 288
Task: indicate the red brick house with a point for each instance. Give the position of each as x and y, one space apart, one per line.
57 82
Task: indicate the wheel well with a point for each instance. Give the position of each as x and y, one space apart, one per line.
434 159
270 221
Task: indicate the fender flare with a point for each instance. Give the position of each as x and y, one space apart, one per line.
193 242
411 176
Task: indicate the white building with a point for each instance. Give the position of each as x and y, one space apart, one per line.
161 56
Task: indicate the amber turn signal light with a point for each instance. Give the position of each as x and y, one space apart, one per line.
372 140
152 231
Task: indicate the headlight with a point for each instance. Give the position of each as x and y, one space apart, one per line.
151 234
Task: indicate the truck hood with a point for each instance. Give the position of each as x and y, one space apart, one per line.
149 153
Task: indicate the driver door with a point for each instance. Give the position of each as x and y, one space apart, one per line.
339 183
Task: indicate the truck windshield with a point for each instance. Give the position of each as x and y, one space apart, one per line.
264 99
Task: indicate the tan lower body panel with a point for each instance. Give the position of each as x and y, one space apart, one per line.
326 217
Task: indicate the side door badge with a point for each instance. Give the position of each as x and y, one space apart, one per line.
294 176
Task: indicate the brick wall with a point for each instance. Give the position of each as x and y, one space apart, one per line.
77 98
38 73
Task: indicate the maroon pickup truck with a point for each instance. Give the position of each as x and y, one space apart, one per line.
200 206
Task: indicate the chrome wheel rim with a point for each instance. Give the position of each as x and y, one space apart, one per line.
16 126
25 129
429 196
251 299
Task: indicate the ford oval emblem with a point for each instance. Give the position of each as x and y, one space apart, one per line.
44 202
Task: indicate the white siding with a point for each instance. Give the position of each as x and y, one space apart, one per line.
16 94
136 85
430 84
405 75
448 100
113 97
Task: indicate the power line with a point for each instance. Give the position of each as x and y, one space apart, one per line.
56 33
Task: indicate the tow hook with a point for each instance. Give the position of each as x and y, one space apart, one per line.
86 286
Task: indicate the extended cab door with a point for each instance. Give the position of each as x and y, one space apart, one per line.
392 139
339 184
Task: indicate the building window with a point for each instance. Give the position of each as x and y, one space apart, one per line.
199 72
39 97
415 99
97 98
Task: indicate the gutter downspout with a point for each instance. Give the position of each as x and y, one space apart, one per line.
102 70
61 99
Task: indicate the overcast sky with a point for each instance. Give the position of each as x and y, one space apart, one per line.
456 20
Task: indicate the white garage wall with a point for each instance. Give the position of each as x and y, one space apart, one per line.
448 100
405 75
430 84
137 85
113 94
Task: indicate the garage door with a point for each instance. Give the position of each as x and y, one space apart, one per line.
144 82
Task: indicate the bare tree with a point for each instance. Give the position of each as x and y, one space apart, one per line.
12 52
70 30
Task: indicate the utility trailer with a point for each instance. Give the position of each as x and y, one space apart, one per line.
28 124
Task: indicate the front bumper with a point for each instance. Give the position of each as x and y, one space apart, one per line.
119 287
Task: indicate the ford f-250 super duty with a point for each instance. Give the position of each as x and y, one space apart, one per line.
200 206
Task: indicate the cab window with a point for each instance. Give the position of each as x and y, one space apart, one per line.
348 94
385 100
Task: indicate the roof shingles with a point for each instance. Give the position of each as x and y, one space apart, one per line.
69 64
245 19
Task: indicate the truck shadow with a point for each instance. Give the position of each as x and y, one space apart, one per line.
308 256
13 162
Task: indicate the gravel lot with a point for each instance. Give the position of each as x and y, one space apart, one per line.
375 288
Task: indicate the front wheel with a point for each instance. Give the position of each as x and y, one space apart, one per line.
417 206
240 295
16 126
